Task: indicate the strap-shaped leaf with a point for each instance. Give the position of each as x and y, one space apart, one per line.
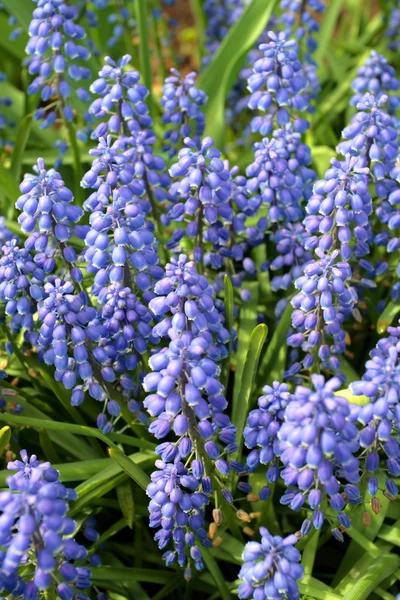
220 75
242 405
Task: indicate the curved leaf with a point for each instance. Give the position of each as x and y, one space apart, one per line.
220 75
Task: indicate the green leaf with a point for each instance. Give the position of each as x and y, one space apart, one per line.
247 322
132 469
126 502
125 574
220 75
5 436
8 185
48 447
214 569
348 370
57 426
315 592
387 316
273 361
366 581
328 25
229 306
242 406
21 141
351 398
21 10
144 47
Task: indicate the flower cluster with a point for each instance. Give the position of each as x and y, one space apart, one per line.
35 528
271 568
261 432
120 241
21 282
202 194
181 102
122 100
48 213
378 78
318 440
380 418
220 17
186 397
276 85
53 53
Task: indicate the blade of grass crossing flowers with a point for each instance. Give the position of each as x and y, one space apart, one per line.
131 468
242 405
220 75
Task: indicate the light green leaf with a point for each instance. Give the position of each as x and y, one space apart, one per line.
126 501
273 362
242 406
132 469
351 398
220 75
144 47
388 315
21 10
367 580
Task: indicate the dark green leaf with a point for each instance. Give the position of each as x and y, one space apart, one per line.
132 469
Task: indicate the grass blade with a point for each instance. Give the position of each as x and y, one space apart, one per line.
220 75
387 316
229 306
144 47
132 469
380 569
219 579
241 408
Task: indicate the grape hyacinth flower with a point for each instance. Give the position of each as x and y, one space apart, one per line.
392 31
339 209
21 286
371 134
202 194
261 432
325 297
318 441
187 398
121 243
35 528
48 213
220 15
380 418
271 568
53 55
281 174
277 85
125 115
378 78
181 102
122 100
291 240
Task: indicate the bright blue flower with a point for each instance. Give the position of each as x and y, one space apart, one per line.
53 55
318 441
378 78
35 528
181 102
271 568
187 398
277 85
380 418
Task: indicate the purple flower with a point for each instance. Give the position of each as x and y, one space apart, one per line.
271 568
